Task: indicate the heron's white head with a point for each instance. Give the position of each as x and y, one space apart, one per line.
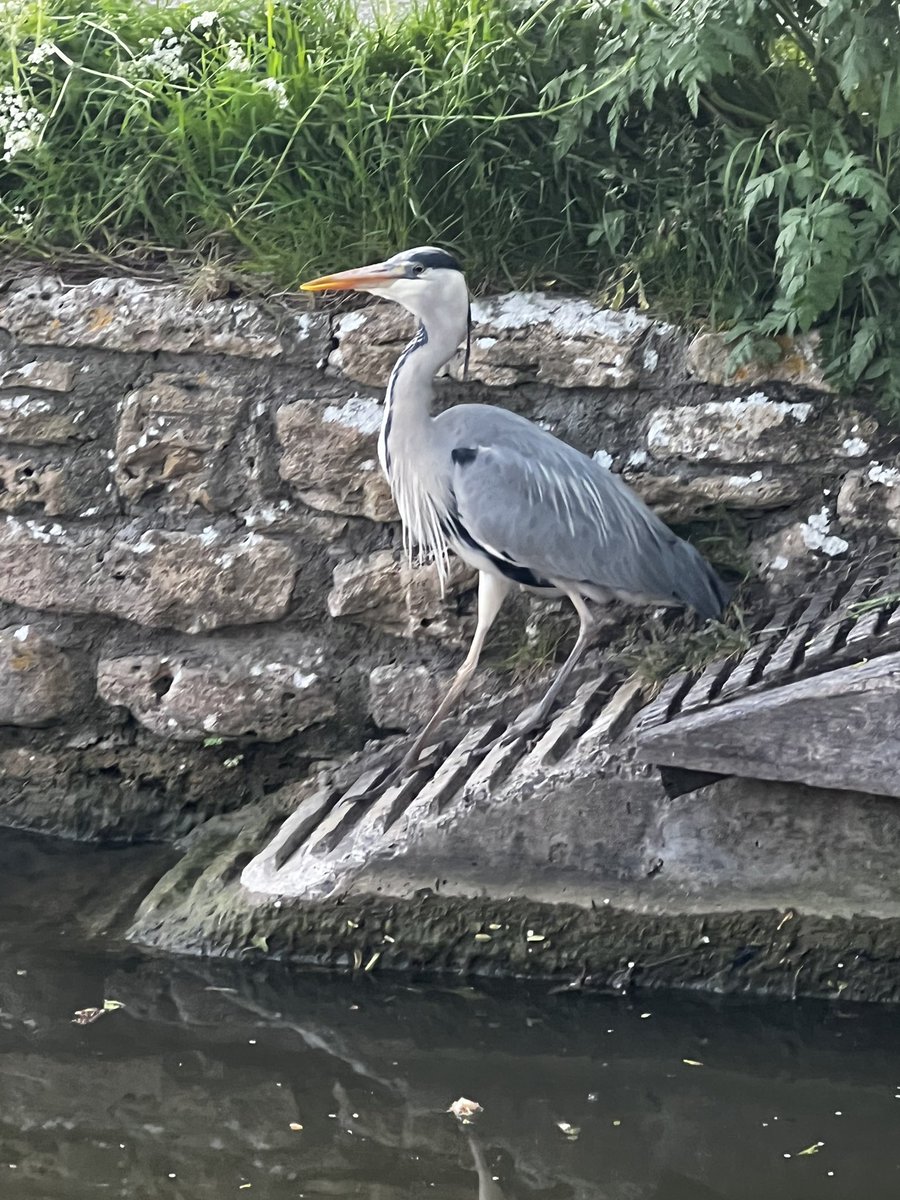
425 280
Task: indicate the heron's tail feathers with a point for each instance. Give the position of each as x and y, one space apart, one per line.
698 584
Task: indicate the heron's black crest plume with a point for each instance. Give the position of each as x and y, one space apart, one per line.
439 259
443 260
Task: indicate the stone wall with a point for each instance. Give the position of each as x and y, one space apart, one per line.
200 585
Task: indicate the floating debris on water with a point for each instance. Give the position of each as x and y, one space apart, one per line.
465 1110
87 1016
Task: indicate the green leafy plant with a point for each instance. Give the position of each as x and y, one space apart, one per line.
723 162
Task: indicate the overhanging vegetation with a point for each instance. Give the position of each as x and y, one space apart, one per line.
729 161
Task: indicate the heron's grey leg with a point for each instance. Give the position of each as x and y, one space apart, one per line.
539 712
492 591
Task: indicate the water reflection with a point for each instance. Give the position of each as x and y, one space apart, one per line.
192 1089
488 1183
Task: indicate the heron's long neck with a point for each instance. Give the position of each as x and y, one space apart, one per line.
406 423
406 445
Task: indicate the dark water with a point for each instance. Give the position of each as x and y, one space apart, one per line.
189 1091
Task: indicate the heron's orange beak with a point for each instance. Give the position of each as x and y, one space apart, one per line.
358 279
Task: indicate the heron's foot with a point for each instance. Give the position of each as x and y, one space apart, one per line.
393 777
428 750
411 761
527 723
417 758
383 783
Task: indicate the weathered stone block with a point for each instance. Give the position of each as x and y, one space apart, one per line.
38 684
49 568
402 697
870 496
24 482
39 420
126 314
709 354
398 598
285 516
791 552
172 438
368 342
330 456
683 497
48 374
218 690
59 486
117 789
516 339
196 582
748 429
185 581
558 340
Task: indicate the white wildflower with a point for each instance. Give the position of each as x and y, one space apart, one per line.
41 51
204 20
21 124
237 60
278 90
164 56
22 217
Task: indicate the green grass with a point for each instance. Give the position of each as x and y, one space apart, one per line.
725 161
532 652
655 650
862 608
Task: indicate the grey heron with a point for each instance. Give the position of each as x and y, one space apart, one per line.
511 500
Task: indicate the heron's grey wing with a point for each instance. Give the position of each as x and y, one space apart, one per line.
537 503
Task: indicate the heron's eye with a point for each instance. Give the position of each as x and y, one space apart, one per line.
418 269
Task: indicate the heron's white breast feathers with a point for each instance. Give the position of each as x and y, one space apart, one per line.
423 516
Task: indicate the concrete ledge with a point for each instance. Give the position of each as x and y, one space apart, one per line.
200 908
